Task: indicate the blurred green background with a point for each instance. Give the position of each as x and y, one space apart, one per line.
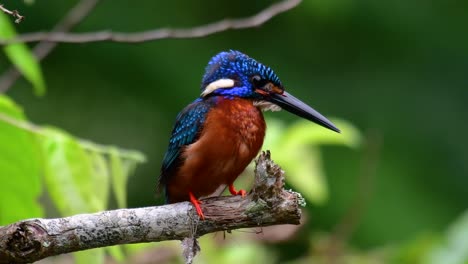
395 69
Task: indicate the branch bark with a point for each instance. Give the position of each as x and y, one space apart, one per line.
267 204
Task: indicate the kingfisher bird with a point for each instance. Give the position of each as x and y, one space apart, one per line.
220 133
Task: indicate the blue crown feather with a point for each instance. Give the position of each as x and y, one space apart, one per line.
237 66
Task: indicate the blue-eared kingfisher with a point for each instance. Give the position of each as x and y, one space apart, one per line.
220 133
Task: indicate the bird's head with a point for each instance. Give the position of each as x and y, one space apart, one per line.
233 74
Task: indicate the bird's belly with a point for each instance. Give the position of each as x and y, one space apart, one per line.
228 143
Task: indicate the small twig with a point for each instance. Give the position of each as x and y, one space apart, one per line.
14 13
163 33
267 204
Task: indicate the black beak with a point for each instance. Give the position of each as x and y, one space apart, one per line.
293 105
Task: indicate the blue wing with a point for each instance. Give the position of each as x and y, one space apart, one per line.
187 128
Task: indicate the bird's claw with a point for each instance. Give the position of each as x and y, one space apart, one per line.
196 203
242 193
233 191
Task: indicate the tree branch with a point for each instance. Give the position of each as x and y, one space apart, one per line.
163 33
14 13
267 204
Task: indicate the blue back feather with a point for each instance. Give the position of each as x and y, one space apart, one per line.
187 128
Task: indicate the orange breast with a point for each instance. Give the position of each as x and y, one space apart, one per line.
231 137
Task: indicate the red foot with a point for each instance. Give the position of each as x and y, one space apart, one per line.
196 203
233 191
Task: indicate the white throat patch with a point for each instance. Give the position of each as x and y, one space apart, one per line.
221 83
266 106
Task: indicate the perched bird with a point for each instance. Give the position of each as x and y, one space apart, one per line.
217 136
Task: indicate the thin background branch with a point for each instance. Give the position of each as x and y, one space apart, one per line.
163 33
49 39
13 13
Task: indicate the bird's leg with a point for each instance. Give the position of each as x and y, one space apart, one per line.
233 191
196 203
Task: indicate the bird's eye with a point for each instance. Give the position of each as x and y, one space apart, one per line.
258 81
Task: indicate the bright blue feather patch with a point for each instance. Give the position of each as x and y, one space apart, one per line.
240 68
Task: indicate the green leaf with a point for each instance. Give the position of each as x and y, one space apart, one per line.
20 186
415 249
135 249
91 256
21 56
296 149
305 132
68 173
304 172
119 178
454 249
101 179
77 172
245 252
117 253
110 162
